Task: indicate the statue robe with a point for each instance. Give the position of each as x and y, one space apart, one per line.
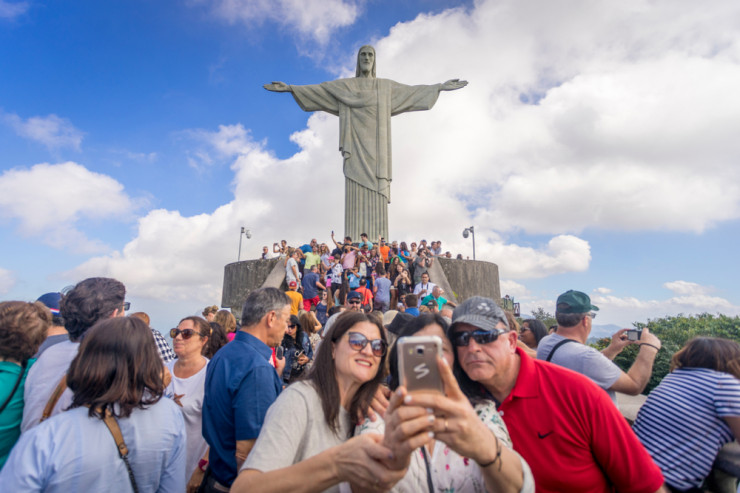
364 107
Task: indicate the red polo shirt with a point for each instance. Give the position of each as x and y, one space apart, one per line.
572 435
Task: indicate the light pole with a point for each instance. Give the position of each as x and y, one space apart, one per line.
467 232
246 233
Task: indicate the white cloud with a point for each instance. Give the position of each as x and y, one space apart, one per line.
690 299
603 290
7 281
52 131
513 289
615 116
10 10
314 19
177 257
687 288
49 200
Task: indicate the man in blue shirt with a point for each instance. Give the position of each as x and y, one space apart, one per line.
311 286
241 385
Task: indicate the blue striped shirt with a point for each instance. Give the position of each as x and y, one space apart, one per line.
681 423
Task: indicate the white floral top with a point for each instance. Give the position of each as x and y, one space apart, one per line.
451 473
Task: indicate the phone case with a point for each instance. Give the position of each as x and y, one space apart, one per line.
417 363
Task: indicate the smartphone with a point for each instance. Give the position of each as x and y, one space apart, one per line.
634 335
417 363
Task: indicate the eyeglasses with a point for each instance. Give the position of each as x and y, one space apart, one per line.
126 305
358 342
524 329
592 315
186 333
292 326
460 339
355 302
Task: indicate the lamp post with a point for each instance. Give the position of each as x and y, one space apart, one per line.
468 232
246 233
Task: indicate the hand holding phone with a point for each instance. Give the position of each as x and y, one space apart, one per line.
417 363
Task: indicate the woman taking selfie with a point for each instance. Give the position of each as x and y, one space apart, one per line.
457 460
306 431
116 379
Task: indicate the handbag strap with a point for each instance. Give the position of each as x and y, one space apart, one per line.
15 387
61 386
115 430
430 483
564 341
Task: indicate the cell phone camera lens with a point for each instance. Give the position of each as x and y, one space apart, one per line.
419 349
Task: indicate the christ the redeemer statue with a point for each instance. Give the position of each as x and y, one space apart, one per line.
364 105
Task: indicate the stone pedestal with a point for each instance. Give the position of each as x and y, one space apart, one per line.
460 279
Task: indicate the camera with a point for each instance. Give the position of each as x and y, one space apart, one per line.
634 335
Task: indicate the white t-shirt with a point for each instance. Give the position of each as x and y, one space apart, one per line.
43 378
188 394
289 275
294 430
420 287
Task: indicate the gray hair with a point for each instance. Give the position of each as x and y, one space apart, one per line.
260 302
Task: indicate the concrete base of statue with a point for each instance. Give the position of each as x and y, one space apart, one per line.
460 279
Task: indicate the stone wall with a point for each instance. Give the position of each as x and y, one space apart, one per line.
460 279
241 278
469 278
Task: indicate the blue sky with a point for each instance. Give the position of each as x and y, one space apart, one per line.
594 149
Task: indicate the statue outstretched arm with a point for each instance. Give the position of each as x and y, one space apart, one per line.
450 85
277 86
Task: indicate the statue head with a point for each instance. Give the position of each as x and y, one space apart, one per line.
365 57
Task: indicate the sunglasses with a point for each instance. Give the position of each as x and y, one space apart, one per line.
355 302
460 339
186 333
358 342
126 305
292 326
592 315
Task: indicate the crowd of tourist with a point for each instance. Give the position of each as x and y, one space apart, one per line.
304 392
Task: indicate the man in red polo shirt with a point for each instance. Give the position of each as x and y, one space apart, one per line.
565 427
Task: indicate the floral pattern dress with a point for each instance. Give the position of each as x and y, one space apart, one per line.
451 473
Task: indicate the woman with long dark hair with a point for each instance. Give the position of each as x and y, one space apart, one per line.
305 440
449 462
297 349
531 332
693 412
116 379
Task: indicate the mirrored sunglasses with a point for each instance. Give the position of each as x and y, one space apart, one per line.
479 336
186 333
358 342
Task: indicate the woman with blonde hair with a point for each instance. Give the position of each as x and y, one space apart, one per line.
227 321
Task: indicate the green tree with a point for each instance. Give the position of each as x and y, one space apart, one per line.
674 332
546 318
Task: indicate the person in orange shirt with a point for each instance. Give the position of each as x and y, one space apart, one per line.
384 252
367 295
296 298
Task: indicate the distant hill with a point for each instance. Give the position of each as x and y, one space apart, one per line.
601 331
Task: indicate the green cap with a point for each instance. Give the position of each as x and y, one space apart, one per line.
574 302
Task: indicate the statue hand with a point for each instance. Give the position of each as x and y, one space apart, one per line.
453 84
277 86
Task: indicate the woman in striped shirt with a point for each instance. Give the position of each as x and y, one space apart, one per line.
693 412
